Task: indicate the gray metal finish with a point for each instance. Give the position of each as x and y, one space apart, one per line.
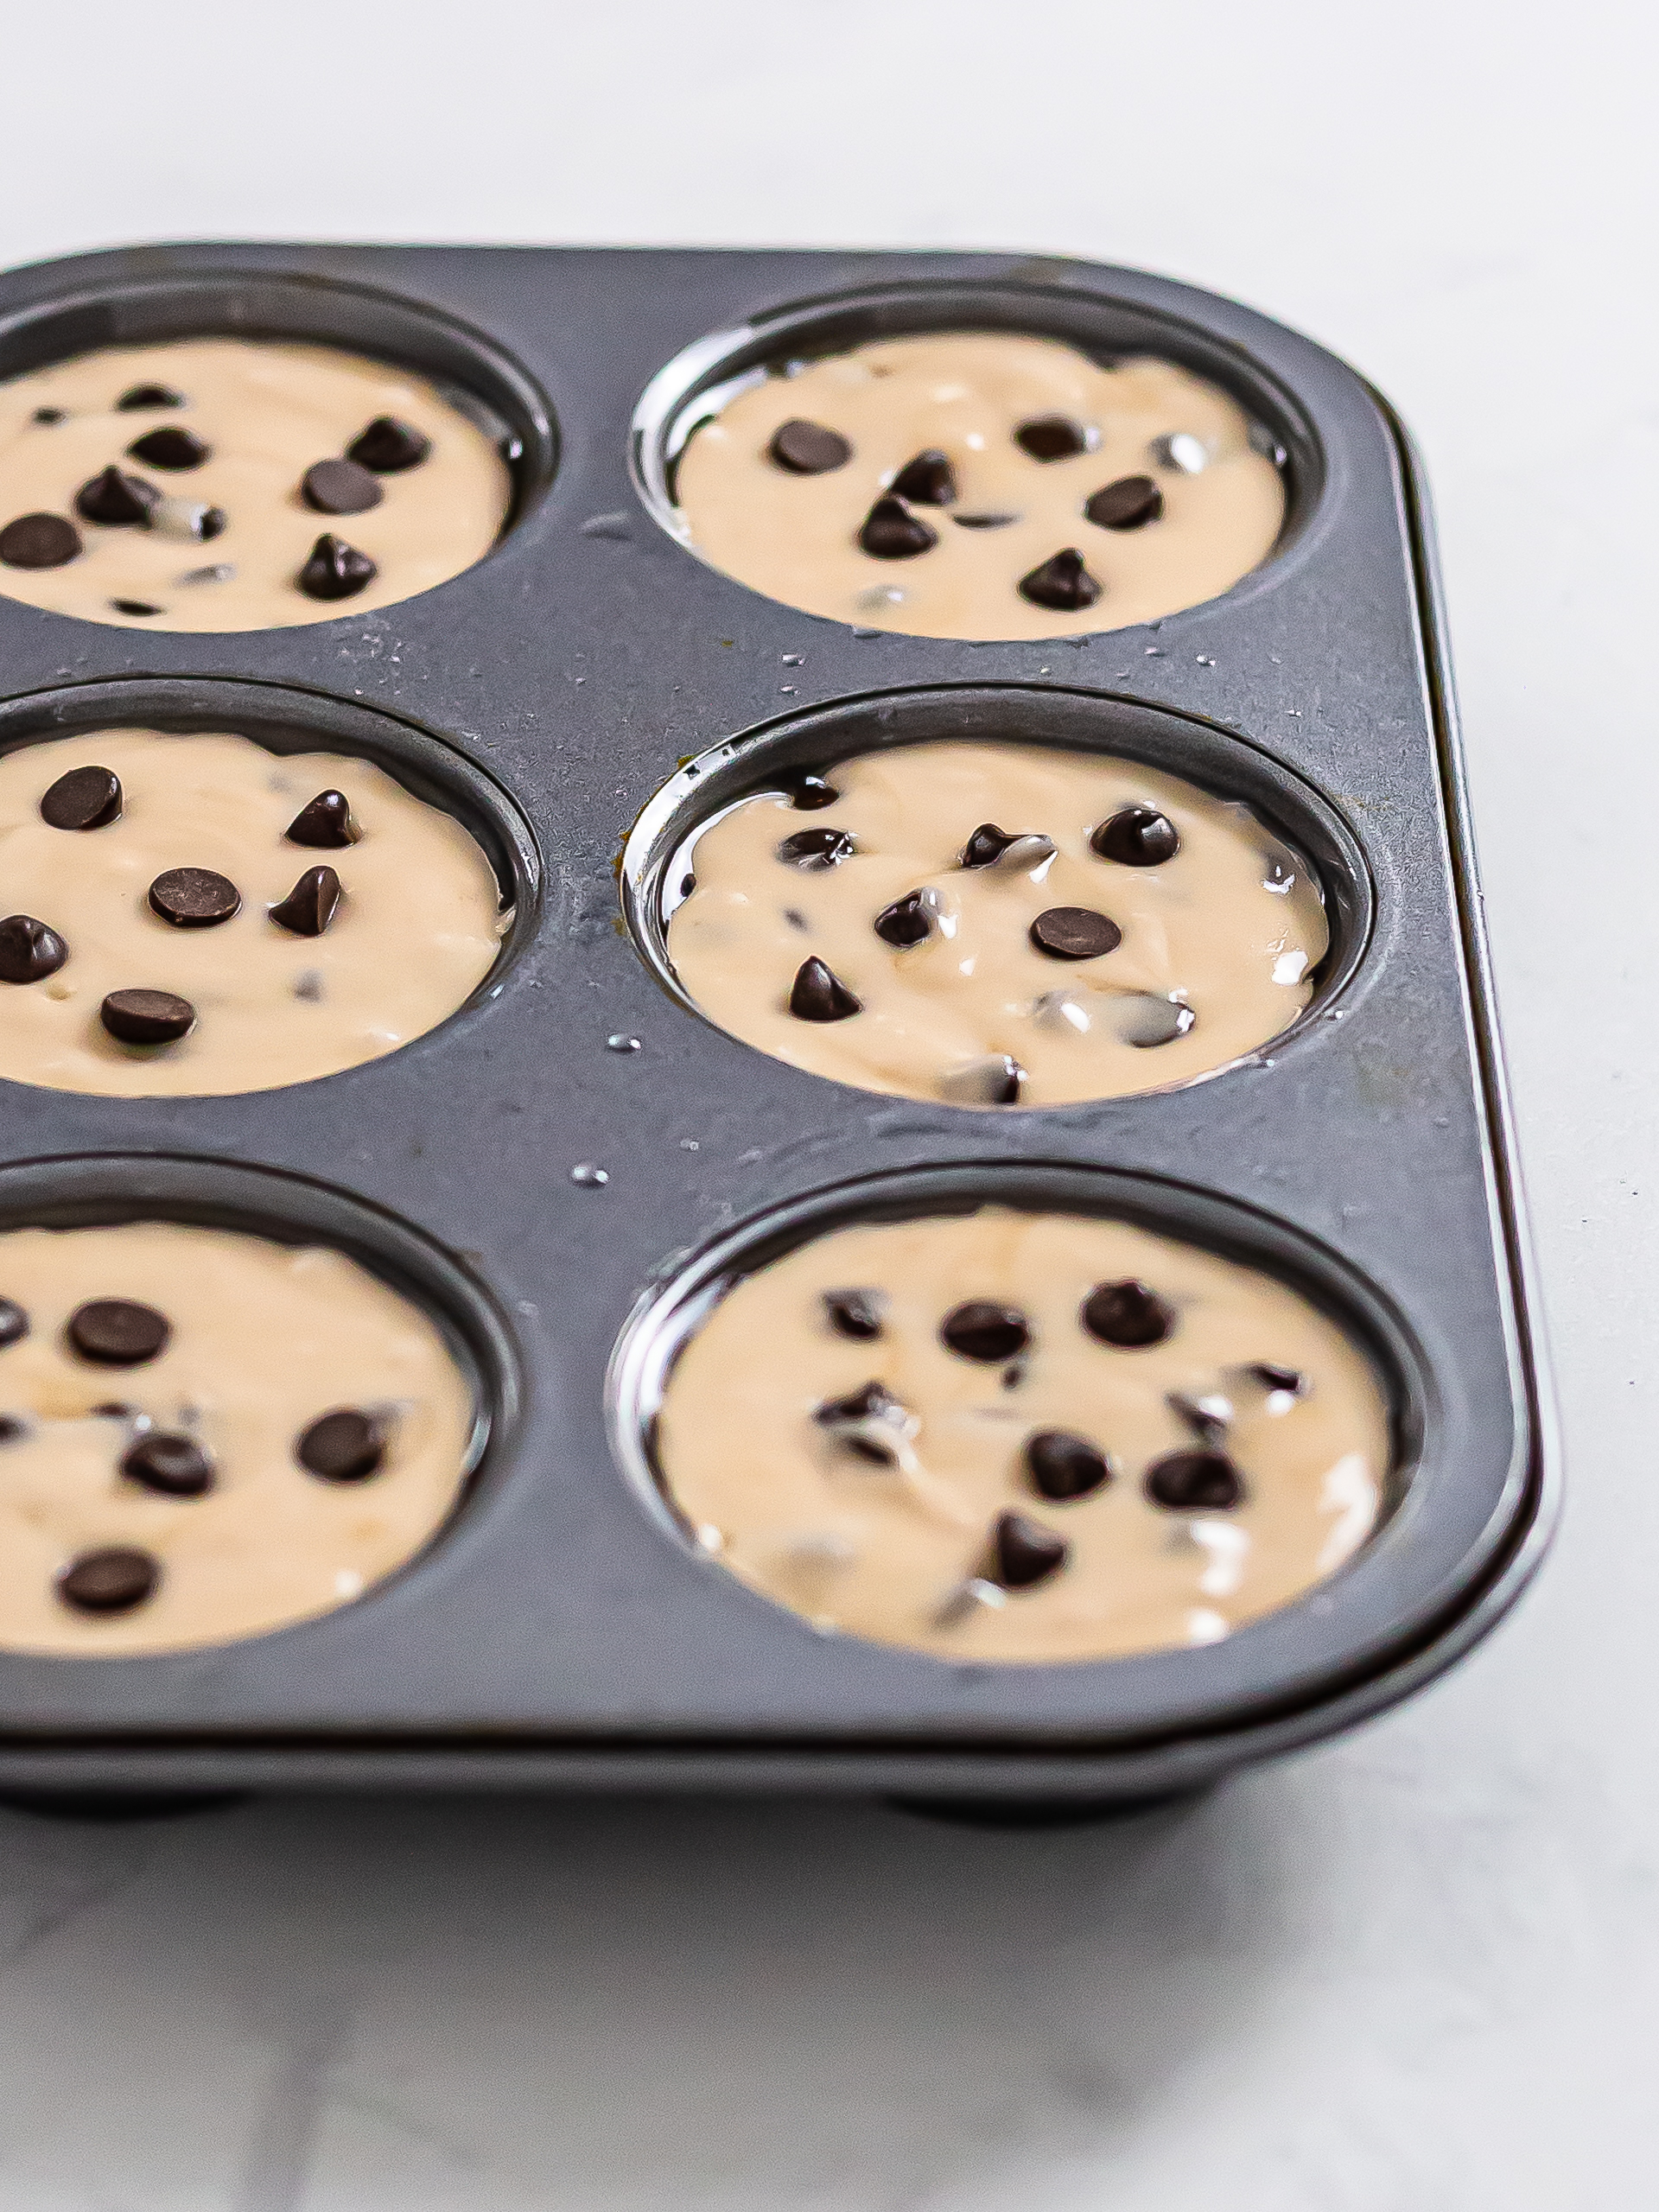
561 1628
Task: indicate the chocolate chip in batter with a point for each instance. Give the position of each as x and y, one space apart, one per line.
310 906
1013 849
176 1465
118 1331
145 396
325 824
927 481
14 1323
1145 1021
1188 1482
983 522
343 1446
147 1017
84 798
189 521
12 1426
216 572
808 448
890 532
1126 505
388 445
1024 1553
1207 1417
110 1580
855 1313
115 500
1074 933
340 487
909 920
806 792
47 415
1051 437
1137 837
172 447
1063 1465
193 897
1180 449
1061 584
997 1080
39 541
135 607
30 952
818 848
1128 1314
818 994
981 1329
335 570
1273 1377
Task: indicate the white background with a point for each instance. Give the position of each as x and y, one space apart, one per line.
1415 1973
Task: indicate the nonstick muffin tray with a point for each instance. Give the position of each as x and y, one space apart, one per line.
560 1196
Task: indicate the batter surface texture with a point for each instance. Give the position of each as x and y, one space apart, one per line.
1009 1436
975 484
153 1503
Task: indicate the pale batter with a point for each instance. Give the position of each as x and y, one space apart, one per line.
923 882
1083 1440
205 485
297 938
973 484
151 1499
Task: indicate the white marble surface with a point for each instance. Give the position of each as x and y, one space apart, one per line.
1413 1973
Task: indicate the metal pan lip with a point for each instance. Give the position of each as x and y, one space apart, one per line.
1220 759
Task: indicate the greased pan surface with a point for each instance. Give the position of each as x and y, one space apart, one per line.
563 1628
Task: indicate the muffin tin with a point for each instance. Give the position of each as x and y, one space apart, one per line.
564 1199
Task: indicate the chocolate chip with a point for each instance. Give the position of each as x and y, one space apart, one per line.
983 522
817 849
1024 1553
388 446
858 1419
981 1329
1180 449
172 447
193 897
1208 1418
1269 1372
1061 584
818 994
1051 437
188 521
1074 933
118 1331
116 1409
987 845
1137 837
14 1323
806 792
112 1580
1126 505
1145 1021
147 1017
135 607
928 481
890 532
325 824
997 1080
39 541
808 448
84 798
908 920
217 572
310 906
1065 1466
345 1446
176 1465
28 951
12 1426
335 570
45 415
1187 1482
145 396
854 1314
1128 1314
115 500
340 487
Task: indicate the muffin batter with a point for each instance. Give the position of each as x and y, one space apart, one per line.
1018 1436
206 1435
195 914
996 925
975 485
228 484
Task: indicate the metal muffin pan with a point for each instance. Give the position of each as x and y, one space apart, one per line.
561 1629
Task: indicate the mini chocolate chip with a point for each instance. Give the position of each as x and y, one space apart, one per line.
172 447
1145 1021
817 849
84 798
12 1426
997 1080
135 607
1075 933
39 541
1024 1553
115 500
818 994
1137 837
14 1323
147 1017
1065 1466
388 446
1206 1419
1275 1377
1190 1481
176 1465
808 792
214 523
114 1409
983 522
987 845
854 1314
1051 437
907 921
340 487
796 918
1128 1314
688 885
890 532
118 1331
335 570
1126 505
928 481
112 1580
808 448
193 897
981 1329
1061 584
145 396
344 1447
47 415
28 951
216 572
324 823
310 906
854 1418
